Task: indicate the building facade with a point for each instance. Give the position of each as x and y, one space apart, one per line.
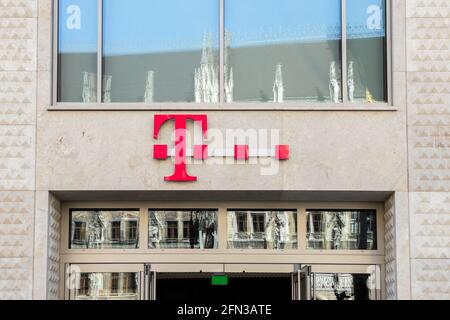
310 150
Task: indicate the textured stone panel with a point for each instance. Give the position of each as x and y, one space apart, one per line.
430 225
427 8
431 279
429 104
15 278
389 240
17 98
53 248
17 152
18 9
428 45
428 66
16 244
18 44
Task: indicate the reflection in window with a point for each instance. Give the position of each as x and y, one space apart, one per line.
183 229
77 51
79 232
187 230
107 286
366 51
341 230
262 229
258 222
241 221
337 286
115 231
132 230
103 229
163 51
274 51
287 50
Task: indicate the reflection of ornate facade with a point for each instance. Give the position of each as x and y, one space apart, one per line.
351 81
330 286
206 77
335 88
150 87
278 86
341 230
228 70
89 93
183 229
262 230
107 286
104 229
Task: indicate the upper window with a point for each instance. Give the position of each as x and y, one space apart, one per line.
104 229
341 229
183 229
145 51
262 229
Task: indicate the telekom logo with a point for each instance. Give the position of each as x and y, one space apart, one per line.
160 151
200 152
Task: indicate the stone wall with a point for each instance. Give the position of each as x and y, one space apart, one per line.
428 82
389 240
18 66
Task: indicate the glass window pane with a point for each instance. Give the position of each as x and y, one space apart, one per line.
285 50
77 51
160 51
107 286
342 286
262 229
341 230
366 51
183 229
104 229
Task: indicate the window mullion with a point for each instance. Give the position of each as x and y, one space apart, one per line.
56 36
99 51
344 52
222 52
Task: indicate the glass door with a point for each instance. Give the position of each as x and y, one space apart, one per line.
301 283
104 282
149 283
342 282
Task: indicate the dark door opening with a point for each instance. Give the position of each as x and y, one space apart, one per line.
242 287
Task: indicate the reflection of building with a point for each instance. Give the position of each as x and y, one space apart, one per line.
206 77
183 229
278 86
150 87
107 286
89 93
329 286
262 230
341 230
104 229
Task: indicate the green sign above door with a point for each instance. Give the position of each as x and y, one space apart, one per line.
219 280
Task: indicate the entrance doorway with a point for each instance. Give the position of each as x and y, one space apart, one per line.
242 283
240 287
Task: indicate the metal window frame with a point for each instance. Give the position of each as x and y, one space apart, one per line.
344 105
99 51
